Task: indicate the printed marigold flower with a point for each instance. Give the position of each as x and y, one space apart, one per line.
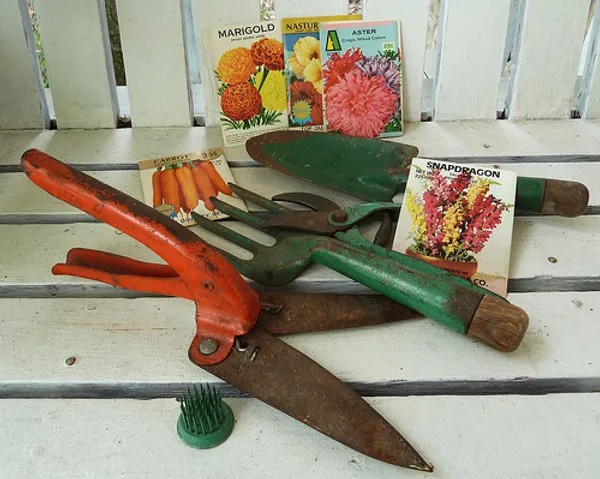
241 101
337 66
359 106
268 52
236 66
273 90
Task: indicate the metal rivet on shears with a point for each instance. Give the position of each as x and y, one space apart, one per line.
339 216
208 346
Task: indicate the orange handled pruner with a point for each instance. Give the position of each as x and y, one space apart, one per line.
229 342
226 306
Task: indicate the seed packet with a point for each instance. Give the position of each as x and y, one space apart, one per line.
176 185
459 218
248 68
302 51
362 73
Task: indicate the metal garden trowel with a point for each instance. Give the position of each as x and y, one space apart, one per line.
376 170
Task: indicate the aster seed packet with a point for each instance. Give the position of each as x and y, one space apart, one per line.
459 218
248 67
302 52
362 78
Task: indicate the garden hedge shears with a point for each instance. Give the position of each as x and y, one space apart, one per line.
330 238
233 337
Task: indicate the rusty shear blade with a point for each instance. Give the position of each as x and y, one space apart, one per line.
292 313
274 372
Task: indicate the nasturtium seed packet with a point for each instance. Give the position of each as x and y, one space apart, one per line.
179 184
362 78
247 66
459 218
302 53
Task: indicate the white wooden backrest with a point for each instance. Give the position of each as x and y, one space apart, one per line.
472 79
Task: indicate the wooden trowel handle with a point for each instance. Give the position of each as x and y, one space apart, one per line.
499 324
564 198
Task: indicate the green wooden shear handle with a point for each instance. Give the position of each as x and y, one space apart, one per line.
442 297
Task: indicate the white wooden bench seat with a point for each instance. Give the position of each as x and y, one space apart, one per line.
89 374
459 392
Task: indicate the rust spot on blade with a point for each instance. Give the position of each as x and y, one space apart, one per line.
291 313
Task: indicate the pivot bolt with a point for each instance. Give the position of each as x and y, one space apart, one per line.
208 346
339 216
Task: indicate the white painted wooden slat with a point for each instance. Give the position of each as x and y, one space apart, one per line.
309 8
557 435
22 101
591 78
81 75
413 16
527 140
19 196
547 58
155 64
470 59
142 342
210 15
573 242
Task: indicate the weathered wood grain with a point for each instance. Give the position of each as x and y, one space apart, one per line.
22 100
145 341
543 81
123 437
538 141
471 44
155 65
80 72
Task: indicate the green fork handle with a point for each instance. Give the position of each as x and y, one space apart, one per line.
442 297
354 238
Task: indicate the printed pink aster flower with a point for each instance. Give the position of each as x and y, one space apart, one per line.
359 106
338 65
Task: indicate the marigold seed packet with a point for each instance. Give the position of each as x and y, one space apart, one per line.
362 78
179 184
302 52
459 218
248 68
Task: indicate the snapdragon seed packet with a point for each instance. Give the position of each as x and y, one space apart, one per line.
459 218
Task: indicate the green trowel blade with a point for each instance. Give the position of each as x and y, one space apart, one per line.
372 169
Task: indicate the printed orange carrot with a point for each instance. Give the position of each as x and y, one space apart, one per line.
216 178
190 196
157 197
204 186
170 188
